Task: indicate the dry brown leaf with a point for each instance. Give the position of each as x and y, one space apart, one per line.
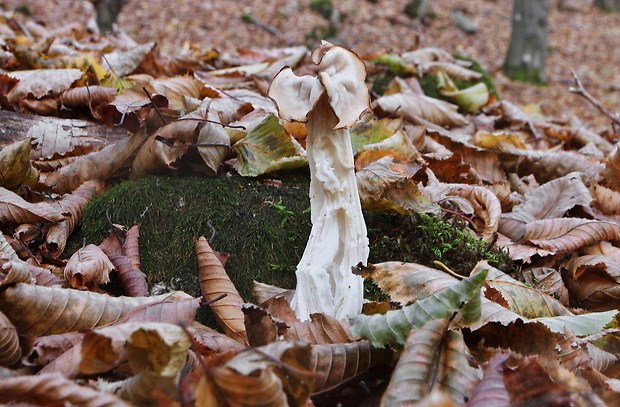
336 363
41 82
491 390
54 389
611 173
592 281
275 375
126 261
88 267
411 105
261 327
13 270
164 148
113 160
434 357
48 348
523 300
214 282
388 185
321 329
39 310
14 210
54 140
485 204
131 247
154 346
210 342
10 350
529 383
73 204
568 234
15 166
87 96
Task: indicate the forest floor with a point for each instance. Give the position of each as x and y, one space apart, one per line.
582 38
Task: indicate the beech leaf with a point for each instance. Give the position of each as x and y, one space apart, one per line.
434 358
214 282
15 166
393 326
54 389
88 267
268 148
42 310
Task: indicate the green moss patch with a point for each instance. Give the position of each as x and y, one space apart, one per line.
264 227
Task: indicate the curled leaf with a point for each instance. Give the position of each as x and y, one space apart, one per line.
42 310
54 389
88 267
15 166
214 282
434 358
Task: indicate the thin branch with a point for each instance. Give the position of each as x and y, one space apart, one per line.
161 116
250 19
581 90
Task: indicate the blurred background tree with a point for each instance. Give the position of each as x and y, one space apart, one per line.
527 53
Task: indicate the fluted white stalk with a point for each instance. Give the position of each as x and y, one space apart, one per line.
330 104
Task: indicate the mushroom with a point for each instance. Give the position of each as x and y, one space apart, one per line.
329 104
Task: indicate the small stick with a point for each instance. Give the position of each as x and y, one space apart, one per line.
161 116
447 269
581 90
250 19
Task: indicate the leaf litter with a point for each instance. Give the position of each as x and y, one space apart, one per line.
543 188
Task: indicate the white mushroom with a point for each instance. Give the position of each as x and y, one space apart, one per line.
329 104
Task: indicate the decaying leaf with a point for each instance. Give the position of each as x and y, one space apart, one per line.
214 282
273 375
434 358
42 310
88 267
73 204
10 350
394 326
338 362
14 210
411 105
54 389
268 148
15 166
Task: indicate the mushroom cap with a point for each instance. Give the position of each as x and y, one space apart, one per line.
341 75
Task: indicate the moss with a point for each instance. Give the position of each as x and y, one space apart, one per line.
533 76
265 228
172 211
422 239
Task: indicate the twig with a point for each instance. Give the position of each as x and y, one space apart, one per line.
448 270
581 90
250 19
161 116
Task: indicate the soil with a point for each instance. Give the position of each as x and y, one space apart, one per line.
581 38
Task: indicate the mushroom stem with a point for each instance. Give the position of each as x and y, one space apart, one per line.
338 239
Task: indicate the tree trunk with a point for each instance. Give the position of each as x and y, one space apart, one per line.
608 5
527 53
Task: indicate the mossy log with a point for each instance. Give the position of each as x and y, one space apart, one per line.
265 228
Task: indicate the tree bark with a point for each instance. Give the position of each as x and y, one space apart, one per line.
608 5
527 53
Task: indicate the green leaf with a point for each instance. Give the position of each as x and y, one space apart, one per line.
394 326
268 148
580 325
471 99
